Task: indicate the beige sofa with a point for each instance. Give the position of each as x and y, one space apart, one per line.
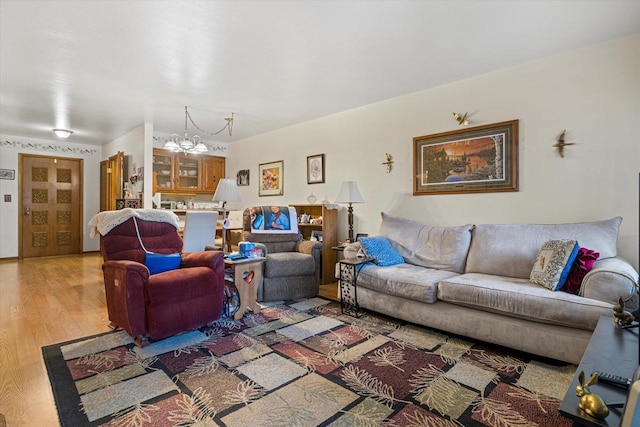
474 281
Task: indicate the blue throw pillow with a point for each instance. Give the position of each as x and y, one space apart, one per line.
381 251
159 263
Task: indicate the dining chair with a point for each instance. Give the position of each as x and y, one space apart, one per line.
199 230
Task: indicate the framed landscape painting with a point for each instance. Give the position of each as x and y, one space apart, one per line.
271 177
482 159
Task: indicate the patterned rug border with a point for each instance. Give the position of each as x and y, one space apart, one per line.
68 398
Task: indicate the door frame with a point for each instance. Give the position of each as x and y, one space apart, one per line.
80 161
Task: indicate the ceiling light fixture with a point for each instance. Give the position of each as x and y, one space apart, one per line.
194 144
185 144
62 133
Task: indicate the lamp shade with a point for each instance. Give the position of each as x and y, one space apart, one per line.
227 191
349 193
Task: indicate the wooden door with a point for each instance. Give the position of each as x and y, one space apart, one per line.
213 171
50 205
111 181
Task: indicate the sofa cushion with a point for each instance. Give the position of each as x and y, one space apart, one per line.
381 251
403 280
511 249
442 248
554 263
284 264
523 299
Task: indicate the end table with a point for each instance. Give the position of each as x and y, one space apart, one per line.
248 285
348 282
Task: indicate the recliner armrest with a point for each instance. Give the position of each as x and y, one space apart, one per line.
124 283
128 266
211 259
308 247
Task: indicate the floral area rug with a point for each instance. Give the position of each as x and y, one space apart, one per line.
303 363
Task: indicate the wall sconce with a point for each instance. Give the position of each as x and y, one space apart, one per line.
462 121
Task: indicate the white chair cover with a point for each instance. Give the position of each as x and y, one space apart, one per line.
199 230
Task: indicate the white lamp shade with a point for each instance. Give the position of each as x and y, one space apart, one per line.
227 191
349 193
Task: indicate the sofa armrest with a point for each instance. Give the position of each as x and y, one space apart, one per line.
351 250
211 259
124 283
609 279
262 247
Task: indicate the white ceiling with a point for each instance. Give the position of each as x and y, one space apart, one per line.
102 68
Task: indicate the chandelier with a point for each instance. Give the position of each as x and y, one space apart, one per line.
193 145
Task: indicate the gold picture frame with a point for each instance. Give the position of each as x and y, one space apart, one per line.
481 159
271 179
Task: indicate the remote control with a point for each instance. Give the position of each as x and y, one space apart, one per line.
608 378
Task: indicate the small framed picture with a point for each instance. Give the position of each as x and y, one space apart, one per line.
316 236
242 178
315 169
271 179
359 235
7 174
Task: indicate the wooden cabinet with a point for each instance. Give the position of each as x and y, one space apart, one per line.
329 230
212 172
186 173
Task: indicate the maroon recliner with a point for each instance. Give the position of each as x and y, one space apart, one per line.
164 304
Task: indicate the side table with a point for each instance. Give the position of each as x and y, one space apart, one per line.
613 350
348 282
247 285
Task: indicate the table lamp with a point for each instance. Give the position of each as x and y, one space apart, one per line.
227 191
350 194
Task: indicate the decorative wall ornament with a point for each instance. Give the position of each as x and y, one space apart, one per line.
561 144
389 162
49 147
481 159
462 120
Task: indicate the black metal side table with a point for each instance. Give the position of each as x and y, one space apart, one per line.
348 282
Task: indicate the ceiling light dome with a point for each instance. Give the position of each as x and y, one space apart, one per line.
62 133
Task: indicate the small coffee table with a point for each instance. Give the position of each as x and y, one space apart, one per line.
613 350
247 286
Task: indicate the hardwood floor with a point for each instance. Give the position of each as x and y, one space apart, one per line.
45 301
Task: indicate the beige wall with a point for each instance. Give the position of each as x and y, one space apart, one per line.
592 92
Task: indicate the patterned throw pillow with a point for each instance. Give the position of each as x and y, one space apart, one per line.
380 249
554 263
